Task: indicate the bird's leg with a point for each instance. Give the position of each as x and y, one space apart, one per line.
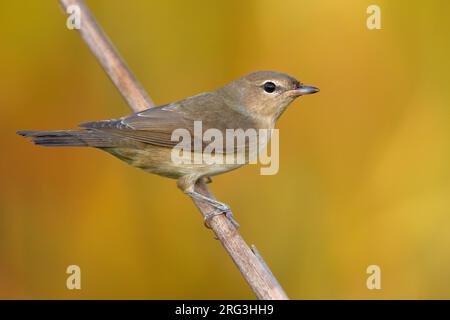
187 183
219 207
216 204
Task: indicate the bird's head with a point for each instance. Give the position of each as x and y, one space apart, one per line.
265 93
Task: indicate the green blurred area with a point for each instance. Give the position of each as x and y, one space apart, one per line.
364 164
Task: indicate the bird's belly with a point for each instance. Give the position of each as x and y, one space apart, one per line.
158 160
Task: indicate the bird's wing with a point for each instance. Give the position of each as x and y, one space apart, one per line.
156 125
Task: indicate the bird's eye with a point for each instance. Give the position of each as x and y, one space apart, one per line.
269 87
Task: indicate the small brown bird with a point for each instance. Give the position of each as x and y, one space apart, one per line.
144 139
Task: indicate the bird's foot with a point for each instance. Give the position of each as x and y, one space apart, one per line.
219 208
217 212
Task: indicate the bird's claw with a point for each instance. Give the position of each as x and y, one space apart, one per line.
224 209
219 208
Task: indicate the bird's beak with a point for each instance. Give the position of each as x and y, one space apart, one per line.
303 90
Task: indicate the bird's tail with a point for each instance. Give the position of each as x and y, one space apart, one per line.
70 138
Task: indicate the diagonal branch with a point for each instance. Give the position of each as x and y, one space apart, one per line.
250 263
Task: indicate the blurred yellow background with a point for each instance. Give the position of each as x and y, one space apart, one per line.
364 164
